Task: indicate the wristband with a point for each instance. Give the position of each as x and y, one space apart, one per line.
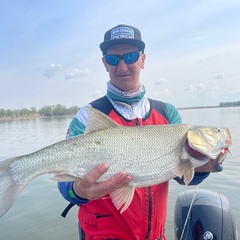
74 196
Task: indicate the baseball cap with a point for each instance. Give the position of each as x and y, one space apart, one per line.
122 34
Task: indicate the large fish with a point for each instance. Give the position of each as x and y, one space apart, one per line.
150 154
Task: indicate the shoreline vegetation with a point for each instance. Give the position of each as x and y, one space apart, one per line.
45 111
221 105
60 110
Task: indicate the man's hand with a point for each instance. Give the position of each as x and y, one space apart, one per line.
88 188
213 165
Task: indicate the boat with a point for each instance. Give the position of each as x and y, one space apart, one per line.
201 214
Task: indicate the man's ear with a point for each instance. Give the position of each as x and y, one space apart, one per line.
143 56
105 64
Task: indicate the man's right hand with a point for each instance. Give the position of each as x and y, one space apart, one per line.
89 188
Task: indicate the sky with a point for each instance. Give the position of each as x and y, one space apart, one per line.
49 50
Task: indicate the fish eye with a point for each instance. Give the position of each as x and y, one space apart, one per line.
218 129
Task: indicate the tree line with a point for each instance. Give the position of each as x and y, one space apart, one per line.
229 104
58 110
53 110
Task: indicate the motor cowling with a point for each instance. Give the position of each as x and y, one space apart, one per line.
210 216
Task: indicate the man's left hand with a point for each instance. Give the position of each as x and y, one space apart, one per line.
213 165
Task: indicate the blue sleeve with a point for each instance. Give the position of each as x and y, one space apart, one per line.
66 189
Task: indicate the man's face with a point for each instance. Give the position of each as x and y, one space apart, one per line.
125 77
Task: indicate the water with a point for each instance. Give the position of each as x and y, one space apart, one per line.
228 181
36 213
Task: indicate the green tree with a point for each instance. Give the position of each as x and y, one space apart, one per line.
59 110
73 109
46 111
33 110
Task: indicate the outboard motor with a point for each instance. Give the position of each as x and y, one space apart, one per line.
209 217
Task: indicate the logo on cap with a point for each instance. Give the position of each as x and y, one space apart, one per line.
122 32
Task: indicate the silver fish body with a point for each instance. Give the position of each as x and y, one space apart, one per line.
140 151
150 154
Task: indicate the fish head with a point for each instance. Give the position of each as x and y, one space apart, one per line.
209 141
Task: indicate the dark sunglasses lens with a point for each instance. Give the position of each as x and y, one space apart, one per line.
131 57
128 58
112 59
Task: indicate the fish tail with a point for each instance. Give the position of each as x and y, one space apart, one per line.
9 189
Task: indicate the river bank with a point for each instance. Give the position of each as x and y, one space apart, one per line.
45 111
17 117
38 115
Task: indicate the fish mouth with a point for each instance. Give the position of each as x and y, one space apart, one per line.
205 145
200 156
226 150
228 140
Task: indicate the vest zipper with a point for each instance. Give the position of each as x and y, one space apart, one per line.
149 213
149 202
137 122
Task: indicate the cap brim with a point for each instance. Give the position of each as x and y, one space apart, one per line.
104 46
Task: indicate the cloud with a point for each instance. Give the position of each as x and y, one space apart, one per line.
51 70
77 73
201 86
189 88
165 92
160 81
220 75
96 93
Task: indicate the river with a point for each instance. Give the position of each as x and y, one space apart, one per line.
36 213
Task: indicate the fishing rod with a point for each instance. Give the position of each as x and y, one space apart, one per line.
189 212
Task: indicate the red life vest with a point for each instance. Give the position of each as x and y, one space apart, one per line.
146 216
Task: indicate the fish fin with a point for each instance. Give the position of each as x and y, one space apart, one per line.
63 177
98 120
186 170
9 189
122 197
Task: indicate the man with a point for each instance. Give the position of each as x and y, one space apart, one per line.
127 104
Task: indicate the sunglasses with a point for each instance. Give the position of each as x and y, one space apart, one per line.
128 58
